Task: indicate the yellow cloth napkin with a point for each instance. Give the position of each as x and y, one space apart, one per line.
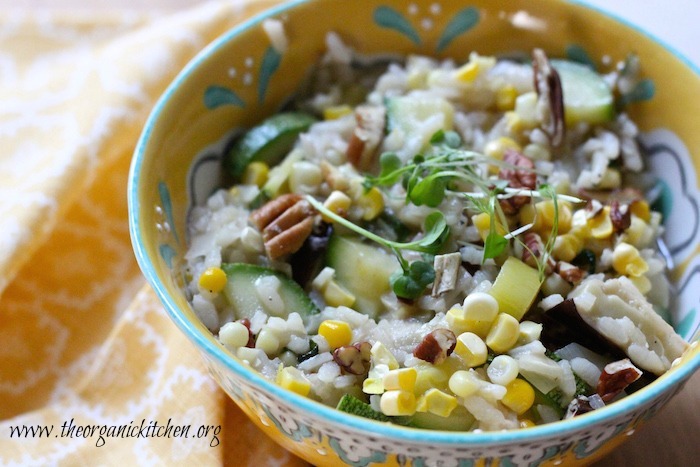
85 347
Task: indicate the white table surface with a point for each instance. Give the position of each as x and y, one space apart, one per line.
671 438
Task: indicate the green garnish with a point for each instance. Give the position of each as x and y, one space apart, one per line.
410 283
428 179
410 277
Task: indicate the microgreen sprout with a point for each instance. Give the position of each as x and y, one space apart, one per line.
413 278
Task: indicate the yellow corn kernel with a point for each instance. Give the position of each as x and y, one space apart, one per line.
464 383
234 335
528 215
255 174
526 110
402 378
467 72
323 278
526 423
566 247
505 97
480 309
213 280
610 180
336 295
627 260
268 342
398 403
503 334
496 148
471 349
373 386
371 202
537 152
545 211
640 208
338 203
381 355
337 333
637 232
294 380
503 370
437 402
456 320
601 225
482 222
529 331
430 376
519 396
336 111
642 283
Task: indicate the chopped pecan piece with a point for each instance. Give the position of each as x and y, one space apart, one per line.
620 216
593 208
583 404
616 376
548 87
436 346
353 359
534 248
520 175
285 222
367 136
570 273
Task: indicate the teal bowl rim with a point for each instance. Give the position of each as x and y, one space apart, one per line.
317 409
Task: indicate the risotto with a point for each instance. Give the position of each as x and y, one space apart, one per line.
454 246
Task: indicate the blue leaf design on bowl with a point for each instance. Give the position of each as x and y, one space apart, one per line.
168 253
688 319
462 22
670 161
269 64
164 194
389 18
642 91
576 53
216 96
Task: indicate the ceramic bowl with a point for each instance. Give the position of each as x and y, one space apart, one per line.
241 78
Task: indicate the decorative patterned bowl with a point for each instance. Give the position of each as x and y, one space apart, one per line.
241 78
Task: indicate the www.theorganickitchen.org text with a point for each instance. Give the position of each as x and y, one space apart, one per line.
133 429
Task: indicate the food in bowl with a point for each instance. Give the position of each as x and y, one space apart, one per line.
439 245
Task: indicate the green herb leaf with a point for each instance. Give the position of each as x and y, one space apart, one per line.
436 233
429 191
411 283
438 137
389 162
494 245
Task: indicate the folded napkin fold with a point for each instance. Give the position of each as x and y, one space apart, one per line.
92 371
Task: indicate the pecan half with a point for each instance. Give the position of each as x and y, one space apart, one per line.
520 174
549 90
367 136
620 216
616 376
353 359
285 222
436 346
